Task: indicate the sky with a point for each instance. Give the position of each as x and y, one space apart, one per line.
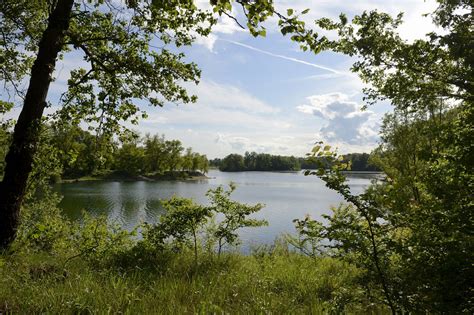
265 95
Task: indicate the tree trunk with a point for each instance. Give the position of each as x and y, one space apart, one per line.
19 159
219 249
195 248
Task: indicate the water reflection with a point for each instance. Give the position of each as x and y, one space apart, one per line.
286 195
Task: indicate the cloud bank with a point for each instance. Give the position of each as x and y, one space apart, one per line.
344 121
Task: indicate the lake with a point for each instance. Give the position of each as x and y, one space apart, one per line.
286 195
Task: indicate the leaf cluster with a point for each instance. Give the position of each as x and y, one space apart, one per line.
184 221
412 231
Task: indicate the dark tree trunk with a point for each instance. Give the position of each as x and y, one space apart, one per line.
25 137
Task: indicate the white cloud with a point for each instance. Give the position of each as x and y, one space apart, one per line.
237 143
328 106
207 41
220 108
225 25
345 122
227 120
224 96
262 143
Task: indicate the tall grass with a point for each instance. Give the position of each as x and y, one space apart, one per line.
93 267
268 281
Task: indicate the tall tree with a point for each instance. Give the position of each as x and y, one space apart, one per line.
127 48
19 159
413 232
155 152
115 41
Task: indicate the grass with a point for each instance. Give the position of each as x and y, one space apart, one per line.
93 267
274 281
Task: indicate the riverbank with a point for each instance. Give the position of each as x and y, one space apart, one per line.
115 176
271 280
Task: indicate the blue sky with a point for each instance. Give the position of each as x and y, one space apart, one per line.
265 95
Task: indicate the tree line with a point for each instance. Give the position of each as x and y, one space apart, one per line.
252 161
78 153
153 154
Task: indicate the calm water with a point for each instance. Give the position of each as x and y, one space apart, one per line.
286 196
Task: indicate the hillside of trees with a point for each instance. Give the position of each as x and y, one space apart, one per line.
253 161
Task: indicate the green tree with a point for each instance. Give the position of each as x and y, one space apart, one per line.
360 162
216 162
310 234
155 153
173 149
253 161
182 221
81 152
203 164
235 216
115 40
122 68
412 233
232 163
200 162
130 158
187 160
5 134
250 159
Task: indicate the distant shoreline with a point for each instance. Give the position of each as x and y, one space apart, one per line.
121 177
177 176
299 171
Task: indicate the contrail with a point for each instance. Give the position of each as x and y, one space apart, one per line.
284 57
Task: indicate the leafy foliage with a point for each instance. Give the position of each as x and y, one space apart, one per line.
232 163
81 153
281 282
4 133
309 236
156 155
184 222
234 216
411 235
412 232
69 152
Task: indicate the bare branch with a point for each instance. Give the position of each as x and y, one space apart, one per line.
233 18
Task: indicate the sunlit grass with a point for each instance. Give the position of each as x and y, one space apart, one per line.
264 282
